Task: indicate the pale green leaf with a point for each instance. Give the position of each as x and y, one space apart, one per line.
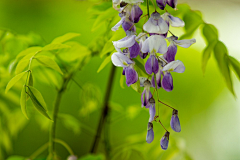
221 55
22 65
55 46
235 65
28 51
23 101
65 37
38 101
109 13
108 47
122 81
210 33
104 63
16 158
206 55
48 62
70 122
14 80
92 157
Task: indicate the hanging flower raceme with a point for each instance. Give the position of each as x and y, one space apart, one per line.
121 60
146 94
150 133
175 123
154 44
164 141
172 48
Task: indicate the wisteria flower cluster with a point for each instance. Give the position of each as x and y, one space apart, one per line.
151 44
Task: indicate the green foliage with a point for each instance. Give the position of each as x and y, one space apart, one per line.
14 80
92 157
23 101
70 122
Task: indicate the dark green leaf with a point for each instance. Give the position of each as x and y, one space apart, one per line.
30 80
207 54
14 80
235 65
192 21
210 33
38 101
48 62
23 101
221 55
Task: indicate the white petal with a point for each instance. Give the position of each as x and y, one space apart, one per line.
133 1
125 42
142 80
156 26
173 21
175 66
185 43
157 44
116 27
120 60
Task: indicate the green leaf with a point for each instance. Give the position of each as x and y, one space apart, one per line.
210 33
122 81
108 47
23 101
48 62
14 80
192 21
109 13
104 63
38 101
22 65
92 157
207 54
221 55
30 80
54 46
235 65
136 87
140 65
65 37
16 158
28 51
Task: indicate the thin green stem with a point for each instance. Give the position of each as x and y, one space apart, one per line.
148 9
162 125
166 104
65 145
39 151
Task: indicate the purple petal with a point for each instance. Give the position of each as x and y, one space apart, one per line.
143 55
134 50
161 4
123 72
131 76
152 65
152 112
171 53
167 82
116 27
145 99
172 3
175 123
150 133
164 141
136 13
128 26
158 77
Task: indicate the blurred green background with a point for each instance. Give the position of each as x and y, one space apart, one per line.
209 114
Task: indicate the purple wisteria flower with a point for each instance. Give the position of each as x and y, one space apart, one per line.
173 21
136 13
150 133
174 66
121 60
156 24
146 94
172 48
141 38
164 141
130 43
154 44
175 123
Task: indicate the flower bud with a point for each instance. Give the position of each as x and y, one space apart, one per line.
164 141
175 123
72 157
150 133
